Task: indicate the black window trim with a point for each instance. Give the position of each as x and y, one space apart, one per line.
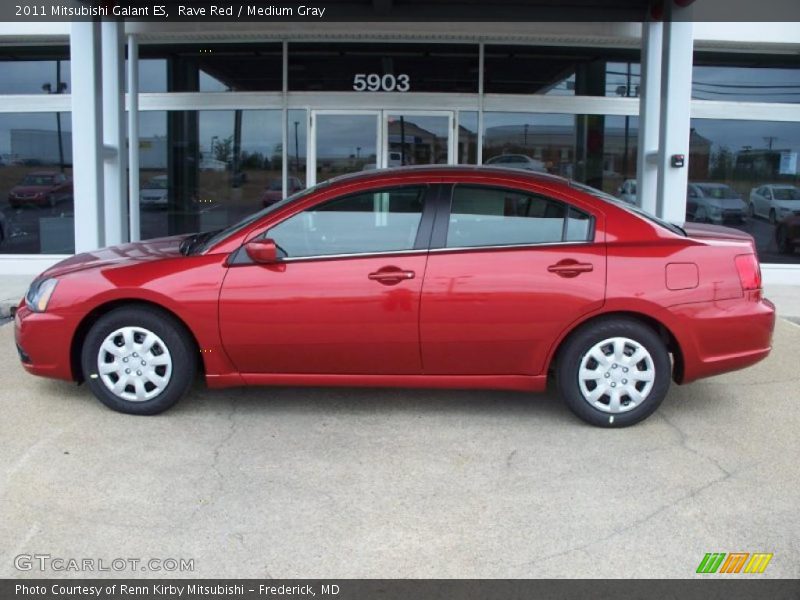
442 223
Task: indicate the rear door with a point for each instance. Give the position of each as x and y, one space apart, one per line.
508 271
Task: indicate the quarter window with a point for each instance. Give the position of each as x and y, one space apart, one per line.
376 221
497 217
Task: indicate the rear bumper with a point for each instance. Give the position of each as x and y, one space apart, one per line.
725 335
43 343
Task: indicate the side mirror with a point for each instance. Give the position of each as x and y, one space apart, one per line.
264 252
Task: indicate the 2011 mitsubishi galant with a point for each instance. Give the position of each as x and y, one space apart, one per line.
452 277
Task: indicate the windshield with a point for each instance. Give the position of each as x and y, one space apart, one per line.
157 183
38 180
791 193
630 208
249 220
718 191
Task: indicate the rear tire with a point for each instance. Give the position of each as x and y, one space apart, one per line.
613 372
138 360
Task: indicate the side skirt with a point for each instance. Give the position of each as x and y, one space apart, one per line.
522 383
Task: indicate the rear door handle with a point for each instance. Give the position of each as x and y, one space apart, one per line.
570 268
391 275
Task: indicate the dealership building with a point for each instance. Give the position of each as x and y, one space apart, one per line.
121 131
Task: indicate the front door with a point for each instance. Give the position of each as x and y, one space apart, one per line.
345 297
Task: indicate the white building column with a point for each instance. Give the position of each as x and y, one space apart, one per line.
649 116
87 135
676 101
133 138
114 154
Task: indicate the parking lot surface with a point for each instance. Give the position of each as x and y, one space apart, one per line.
403 483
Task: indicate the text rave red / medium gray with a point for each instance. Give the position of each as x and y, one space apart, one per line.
451 277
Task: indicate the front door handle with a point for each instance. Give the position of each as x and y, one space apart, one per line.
391 275
570 268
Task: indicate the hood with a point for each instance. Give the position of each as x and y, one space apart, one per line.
727 203
147 251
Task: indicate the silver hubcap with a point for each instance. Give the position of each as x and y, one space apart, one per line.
616 375
134 364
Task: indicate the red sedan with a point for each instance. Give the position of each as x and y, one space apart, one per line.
460 277
42 188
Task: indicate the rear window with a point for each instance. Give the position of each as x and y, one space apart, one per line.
630 208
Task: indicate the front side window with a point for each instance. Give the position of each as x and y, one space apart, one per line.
482 216
369 222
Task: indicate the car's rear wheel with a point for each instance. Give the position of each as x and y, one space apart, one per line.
138 360
614 372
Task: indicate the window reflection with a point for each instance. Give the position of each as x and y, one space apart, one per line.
36 202
203 170
745 174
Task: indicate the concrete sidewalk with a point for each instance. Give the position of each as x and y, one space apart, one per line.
13 288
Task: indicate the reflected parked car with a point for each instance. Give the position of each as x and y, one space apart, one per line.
627 192
3 227
787 234
774 202
714 203
41 188
517 161
516 279
273 192
155 193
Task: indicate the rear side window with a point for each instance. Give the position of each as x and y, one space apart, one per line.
481 216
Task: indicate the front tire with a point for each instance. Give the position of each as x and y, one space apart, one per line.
613 372
138 360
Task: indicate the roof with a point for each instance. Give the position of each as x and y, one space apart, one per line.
450 170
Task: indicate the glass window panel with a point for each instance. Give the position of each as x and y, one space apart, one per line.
481 216
393 67
561 71
346 143
382 221
212 67
36 202
297 131
31 70
746 78
417 139
203 170
467 147
744 174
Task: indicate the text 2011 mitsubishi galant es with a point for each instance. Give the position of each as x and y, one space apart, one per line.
459 277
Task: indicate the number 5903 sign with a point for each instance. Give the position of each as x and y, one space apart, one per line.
372 82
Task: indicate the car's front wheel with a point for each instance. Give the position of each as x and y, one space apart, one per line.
614 372
138 360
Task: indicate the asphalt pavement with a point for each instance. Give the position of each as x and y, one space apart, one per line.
402 483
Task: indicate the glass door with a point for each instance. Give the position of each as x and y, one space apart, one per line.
418 138
343 142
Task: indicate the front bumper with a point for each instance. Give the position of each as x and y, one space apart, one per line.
43 343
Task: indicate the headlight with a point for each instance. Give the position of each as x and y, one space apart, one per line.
39 294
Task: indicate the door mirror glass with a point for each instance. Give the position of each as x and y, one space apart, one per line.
264 252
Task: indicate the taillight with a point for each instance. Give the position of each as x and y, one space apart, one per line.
749 271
